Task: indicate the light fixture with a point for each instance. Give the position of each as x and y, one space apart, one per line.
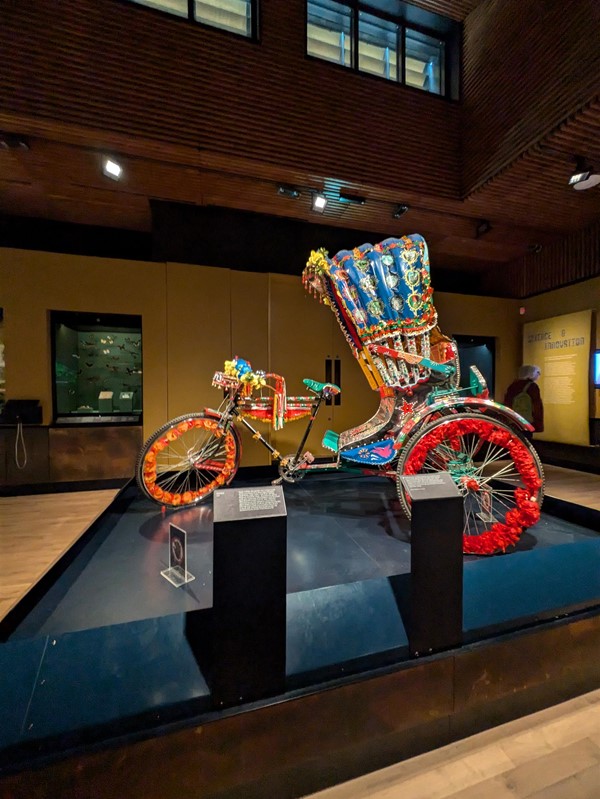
111 168
399 211
13 141
354 199
483 227
584 176
288 191
535 248
587 183
319 202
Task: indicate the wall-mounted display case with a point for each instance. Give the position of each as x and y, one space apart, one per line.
96 368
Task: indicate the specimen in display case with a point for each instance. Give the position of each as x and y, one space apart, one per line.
97 367
383 301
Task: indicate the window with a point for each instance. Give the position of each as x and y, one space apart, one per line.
424 62
236 16
378 46
230 15
385 38
329 32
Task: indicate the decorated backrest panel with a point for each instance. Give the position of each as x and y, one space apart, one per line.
382 298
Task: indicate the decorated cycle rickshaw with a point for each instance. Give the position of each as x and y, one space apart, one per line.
425 423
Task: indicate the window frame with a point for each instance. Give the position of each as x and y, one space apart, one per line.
451 61
191 18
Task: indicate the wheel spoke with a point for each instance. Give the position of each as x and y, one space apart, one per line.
185 460
485 472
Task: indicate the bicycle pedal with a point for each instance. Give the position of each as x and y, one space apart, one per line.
277 482
308 457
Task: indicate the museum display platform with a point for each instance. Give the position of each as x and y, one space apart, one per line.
102 664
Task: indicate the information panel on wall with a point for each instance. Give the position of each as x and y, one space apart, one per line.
560 346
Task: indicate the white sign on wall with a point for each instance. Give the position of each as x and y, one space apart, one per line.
560 346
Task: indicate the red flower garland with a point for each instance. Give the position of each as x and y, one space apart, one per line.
174 498
526 512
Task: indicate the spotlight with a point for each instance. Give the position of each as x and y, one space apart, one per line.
352 198
399 211
13 141
111 168
586 183
483 227
535 248
319 202
288 191
583 177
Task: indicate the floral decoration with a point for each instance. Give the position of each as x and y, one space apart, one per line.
223 470
526 512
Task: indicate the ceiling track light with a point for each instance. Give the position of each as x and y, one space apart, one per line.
399 211
13 141
319 202
111 168
354 199
582 171
483 227
535 248
288 191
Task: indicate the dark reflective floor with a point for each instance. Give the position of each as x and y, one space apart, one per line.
340 530
106 644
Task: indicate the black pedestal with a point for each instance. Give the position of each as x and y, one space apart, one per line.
249 595
436 564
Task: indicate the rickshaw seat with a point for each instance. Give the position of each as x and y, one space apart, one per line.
321 388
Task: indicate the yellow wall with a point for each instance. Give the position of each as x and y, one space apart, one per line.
579 297
33 283
194 317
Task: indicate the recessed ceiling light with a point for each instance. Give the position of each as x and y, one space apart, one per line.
111 168
319 202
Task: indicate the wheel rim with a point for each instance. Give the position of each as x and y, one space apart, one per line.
188 461
495 471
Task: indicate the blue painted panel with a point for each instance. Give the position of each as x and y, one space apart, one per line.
340 623
525 584
19 665
111 673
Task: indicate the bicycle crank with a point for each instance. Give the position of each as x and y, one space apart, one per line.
292 470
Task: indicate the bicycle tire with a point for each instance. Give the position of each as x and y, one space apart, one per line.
188 458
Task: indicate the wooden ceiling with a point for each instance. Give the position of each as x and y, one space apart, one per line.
526 200
528 203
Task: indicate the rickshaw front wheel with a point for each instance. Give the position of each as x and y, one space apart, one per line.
187 459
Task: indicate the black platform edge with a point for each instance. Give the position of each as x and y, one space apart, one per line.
62 487
569 456
24 606
556 676
570 512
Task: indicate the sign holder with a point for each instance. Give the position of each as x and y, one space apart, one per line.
177 573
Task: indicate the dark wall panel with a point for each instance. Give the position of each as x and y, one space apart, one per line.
198 86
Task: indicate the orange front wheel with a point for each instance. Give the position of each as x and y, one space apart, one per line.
187 459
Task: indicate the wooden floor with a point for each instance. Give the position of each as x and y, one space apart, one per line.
34 533
554 754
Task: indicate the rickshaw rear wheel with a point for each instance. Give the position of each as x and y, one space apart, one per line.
495 468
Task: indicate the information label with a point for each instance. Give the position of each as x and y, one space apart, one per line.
439 485
231 504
